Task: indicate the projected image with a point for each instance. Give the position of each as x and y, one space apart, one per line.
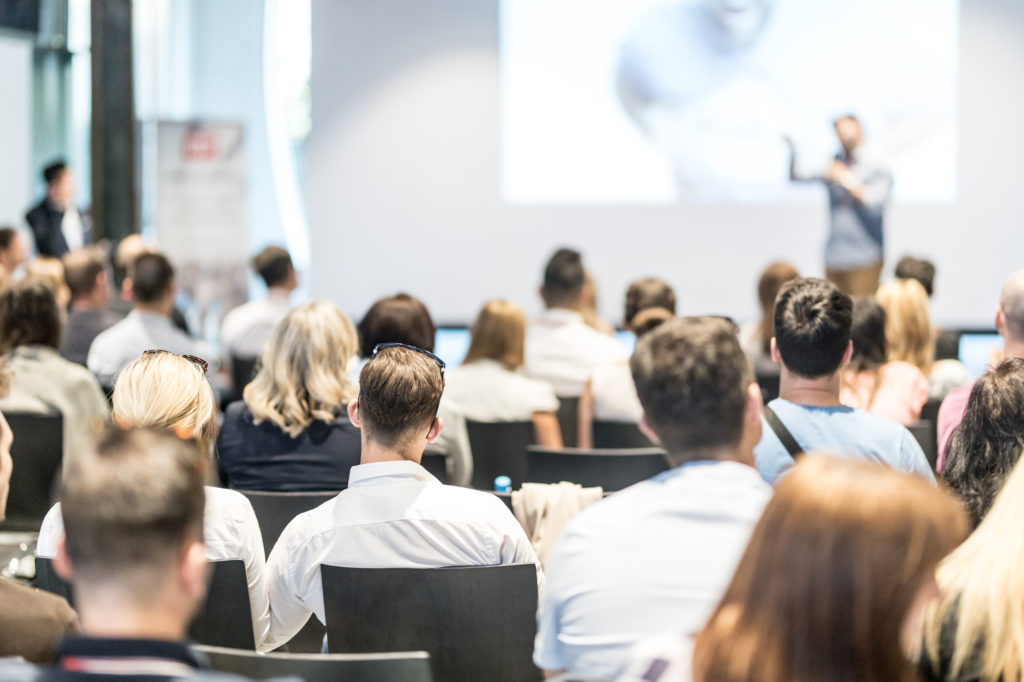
655 101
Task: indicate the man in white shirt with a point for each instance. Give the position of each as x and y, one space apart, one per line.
657 556
147 327
394 513
560 347
247 327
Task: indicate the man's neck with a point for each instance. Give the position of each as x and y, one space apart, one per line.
121 619
1013 348
151 309
818 392
373 453
91 302
279 293
680 457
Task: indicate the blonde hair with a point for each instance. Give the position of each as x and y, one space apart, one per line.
908 328
166 391
50 271
303 374
498 334
983 594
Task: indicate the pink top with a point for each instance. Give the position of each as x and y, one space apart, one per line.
951 413
902 392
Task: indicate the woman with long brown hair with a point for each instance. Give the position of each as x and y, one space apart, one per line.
833 585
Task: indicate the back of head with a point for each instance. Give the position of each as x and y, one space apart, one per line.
303 373
7 236
48 270
812 326
53 171
29 316
648 293
829 577
130 503
1011 303
691 377
908 327
499 333
396 319
919 269
399 393
82 268
868 334
988 442
564 278
165 391
152 278
274 266
130 248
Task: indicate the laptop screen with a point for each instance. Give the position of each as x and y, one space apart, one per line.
976 350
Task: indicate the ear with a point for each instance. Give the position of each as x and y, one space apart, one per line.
848 354
754 407
194 571
774 352
1001 321
353 412
436 427
61 561
645 428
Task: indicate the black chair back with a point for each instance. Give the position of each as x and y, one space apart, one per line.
477 623
436 464
609 435
609 469
242 372
225 618
408 666
37 452
926 436
769 384
499 448
275 510
569 420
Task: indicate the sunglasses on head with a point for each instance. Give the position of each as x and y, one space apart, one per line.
381 346
202 364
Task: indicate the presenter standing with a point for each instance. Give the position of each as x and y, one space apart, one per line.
56 224
859 182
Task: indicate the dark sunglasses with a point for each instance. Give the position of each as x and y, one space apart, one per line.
380 346
203 364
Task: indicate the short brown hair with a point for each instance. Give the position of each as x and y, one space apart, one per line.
29 316
813 322
81 268
129 504
399 392
648 293
921 269
498 334
691 377
396 319
152 275
273 265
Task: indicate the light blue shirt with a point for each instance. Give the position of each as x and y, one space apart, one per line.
656 556
842 431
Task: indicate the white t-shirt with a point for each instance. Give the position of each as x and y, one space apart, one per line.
614 394
246 328
230 532
563 350
485 391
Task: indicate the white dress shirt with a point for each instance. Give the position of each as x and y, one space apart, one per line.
117 346
656 556
246 328
614 394
393 515
72 229
230 532
563 350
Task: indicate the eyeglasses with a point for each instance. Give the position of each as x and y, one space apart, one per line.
196 360
381 346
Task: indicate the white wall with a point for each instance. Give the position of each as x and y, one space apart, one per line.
403 189
16 170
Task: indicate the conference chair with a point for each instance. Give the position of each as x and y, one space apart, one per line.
242 372
769 384
498 448
408 666
477 623
37 453
609 435
225 618
610 469
436 464
925 434
569 420
506 498
275 510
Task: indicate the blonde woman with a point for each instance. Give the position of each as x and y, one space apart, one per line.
489 387
170 392
976 632
290 432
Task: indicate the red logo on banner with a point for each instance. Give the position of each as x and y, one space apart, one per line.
199 146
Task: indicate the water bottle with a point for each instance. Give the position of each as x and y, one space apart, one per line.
502 484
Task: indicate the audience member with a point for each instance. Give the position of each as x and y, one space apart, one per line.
1010 325
833 585
31 622
50 271
134 554
249 326
756 338
147 326
973 633
561 348
657 556
919 269
489 387
988 442
813 321
86 274
43 382
395 319
588 307
394 513
895 390
12 254
56 224
291 431
164 391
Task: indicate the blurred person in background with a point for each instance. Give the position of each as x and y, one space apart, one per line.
88 282
56 223
12 254
756 338
50 271
248 327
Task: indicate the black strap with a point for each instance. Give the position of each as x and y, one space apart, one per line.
788 442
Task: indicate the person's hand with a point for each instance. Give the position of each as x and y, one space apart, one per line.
836 172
